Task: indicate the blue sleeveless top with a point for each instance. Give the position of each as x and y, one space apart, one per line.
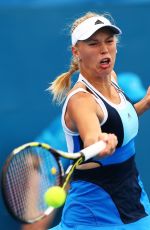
112 194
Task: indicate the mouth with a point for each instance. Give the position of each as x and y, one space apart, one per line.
105 62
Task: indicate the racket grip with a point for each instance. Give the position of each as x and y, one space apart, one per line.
93 150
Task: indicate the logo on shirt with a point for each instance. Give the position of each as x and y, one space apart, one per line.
129 116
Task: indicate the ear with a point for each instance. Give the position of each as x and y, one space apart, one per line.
75 51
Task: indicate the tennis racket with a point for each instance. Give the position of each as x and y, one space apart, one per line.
30 170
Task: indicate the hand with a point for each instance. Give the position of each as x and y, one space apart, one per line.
111 143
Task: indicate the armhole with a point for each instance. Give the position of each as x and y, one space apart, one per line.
103 107
98 100
65 128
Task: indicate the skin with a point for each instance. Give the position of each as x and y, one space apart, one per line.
102 44
91 52
40 225
143 105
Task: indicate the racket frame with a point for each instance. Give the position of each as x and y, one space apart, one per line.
4 177
77 158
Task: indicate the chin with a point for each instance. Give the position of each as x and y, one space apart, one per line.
105 72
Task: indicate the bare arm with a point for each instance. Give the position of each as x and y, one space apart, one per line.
85 115
144 104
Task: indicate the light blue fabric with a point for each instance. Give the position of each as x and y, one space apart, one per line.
130 122
143 224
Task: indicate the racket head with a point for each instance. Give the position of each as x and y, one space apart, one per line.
27 174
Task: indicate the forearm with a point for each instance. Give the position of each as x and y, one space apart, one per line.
141 106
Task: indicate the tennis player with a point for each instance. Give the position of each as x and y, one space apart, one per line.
106 192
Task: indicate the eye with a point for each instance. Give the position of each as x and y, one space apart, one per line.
111 40
93 43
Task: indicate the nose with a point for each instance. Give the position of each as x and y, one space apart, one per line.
103 48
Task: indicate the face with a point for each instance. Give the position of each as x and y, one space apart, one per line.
97 54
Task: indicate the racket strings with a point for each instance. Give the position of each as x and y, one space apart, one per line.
30 174
18 183
14 185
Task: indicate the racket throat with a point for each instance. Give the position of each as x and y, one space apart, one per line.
70 171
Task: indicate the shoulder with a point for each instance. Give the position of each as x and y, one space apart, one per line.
80 99
79 93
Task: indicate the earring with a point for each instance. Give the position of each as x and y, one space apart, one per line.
79 59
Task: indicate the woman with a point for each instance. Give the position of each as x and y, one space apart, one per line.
106 192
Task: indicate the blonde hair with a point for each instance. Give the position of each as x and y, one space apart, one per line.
61 85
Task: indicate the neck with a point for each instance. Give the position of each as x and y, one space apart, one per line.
102 84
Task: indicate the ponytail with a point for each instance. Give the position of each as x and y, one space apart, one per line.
60 87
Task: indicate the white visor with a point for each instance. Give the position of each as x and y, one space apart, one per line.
88 27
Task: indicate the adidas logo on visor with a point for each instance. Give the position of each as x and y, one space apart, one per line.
99 22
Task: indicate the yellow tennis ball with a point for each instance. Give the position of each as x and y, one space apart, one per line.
55 196
53 170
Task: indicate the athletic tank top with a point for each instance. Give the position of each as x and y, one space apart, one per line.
111 194
120 119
